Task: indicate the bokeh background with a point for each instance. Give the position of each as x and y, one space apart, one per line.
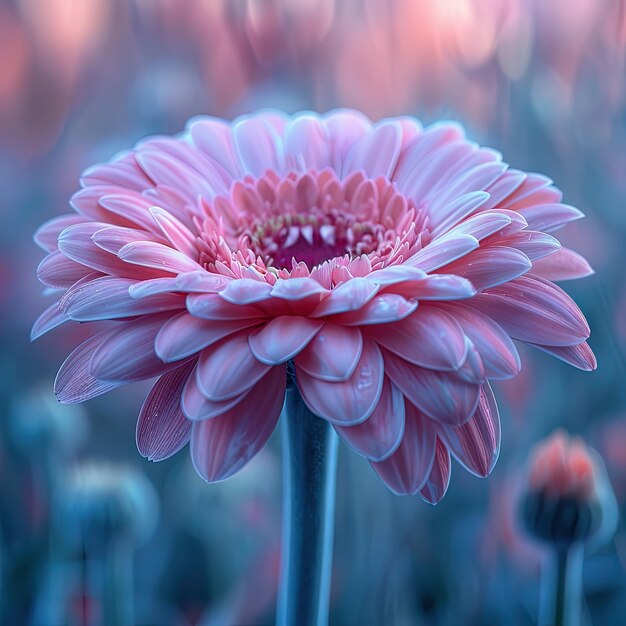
542 81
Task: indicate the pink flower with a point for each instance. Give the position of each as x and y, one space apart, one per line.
569 497
561 467
392 265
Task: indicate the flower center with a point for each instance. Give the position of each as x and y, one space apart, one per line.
313 238
274 223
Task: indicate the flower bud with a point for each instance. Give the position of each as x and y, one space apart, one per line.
568 496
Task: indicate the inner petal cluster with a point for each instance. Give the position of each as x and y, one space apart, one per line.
306 218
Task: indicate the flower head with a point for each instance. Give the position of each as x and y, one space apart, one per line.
568 496
391 264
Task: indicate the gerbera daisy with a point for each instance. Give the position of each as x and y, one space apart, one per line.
389 266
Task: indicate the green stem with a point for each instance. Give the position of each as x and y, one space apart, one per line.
310 463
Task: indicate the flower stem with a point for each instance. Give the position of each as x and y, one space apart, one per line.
563 591
110 576
310 463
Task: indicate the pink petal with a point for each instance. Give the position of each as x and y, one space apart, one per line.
151 287
410 128
459 208
75 243
437 484
430 338
498 353
47 235
187 157
157 256
283 338
51 318
533 244
201 281
196 407
228 369
114 238
176 232
108 298
349 296
258 146
164 169
490 266
162 428
382 309
333 353
127 209
536 189
473 368
122 172
504 186
307 143
210 306
348 402
406 471
178 203
296 288
223 445
534 310
438 170
376 152
395 274
549 217
378 437
421 148
482 224
440 395
442 251
345 127
565 264
57 271
184 335
436 287
476 444
580 355
86 202
213 136
127 352
246 291
473 180
74 383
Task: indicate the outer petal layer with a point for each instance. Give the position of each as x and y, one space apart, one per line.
162 429
223 445
406 471
349 402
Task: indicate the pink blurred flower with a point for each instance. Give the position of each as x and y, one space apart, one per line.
390 264
568 496
562 467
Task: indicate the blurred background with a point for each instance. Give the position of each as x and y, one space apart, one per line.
542 81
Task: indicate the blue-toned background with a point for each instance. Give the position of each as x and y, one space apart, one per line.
542 81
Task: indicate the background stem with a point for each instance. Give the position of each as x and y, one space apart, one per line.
562 593
110 579
310 463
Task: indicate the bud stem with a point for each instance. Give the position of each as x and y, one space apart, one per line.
310 463
562 593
